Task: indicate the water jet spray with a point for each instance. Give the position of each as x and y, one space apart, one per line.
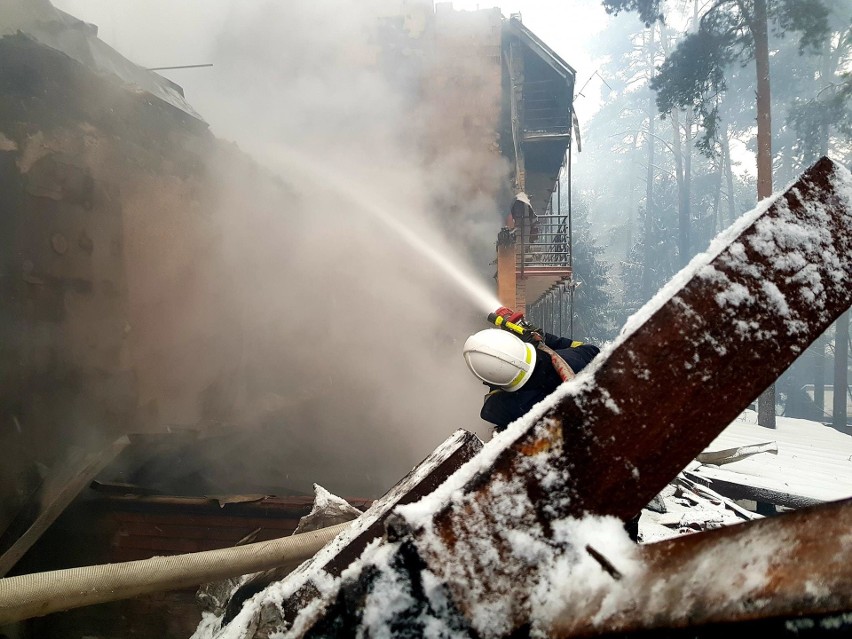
485 299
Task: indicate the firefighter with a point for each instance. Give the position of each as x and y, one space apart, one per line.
520 374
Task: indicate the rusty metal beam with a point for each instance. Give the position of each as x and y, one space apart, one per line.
793 566
671 387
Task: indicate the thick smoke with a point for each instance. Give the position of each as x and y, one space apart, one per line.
311 275
348 336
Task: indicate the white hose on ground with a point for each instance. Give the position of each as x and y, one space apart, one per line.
42 593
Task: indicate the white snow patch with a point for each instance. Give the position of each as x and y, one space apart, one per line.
388 597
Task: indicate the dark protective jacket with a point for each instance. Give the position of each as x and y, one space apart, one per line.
501 408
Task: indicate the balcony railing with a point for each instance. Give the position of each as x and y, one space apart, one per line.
543 243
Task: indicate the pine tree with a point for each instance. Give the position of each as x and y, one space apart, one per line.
593 313
693 75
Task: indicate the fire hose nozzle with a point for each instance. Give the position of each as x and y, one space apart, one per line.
525 333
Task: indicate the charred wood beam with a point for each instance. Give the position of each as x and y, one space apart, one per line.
727 486
704 491
798 565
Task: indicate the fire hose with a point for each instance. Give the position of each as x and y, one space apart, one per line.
37 594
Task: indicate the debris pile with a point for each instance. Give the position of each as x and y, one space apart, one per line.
526 537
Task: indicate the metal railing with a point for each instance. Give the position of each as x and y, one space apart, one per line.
543 242
553 311
551 247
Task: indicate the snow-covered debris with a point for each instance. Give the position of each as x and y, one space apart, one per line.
298 591
813 463
530 532
687 507
328 510
216 598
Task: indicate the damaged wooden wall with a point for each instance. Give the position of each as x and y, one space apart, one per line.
107 317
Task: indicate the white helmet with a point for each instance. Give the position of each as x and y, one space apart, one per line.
499 358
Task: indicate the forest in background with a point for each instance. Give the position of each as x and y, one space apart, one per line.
677 137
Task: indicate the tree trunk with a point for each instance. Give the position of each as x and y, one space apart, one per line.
631 205
717 199
839 413
819 376
729 173
841 372
647 288
766 404
685 200
682 218
764 112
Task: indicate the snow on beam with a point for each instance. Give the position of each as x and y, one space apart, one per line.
489 548
795 566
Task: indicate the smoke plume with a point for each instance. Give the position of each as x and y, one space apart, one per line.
348 336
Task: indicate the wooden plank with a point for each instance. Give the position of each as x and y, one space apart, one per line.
707 345
795 566
57 491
